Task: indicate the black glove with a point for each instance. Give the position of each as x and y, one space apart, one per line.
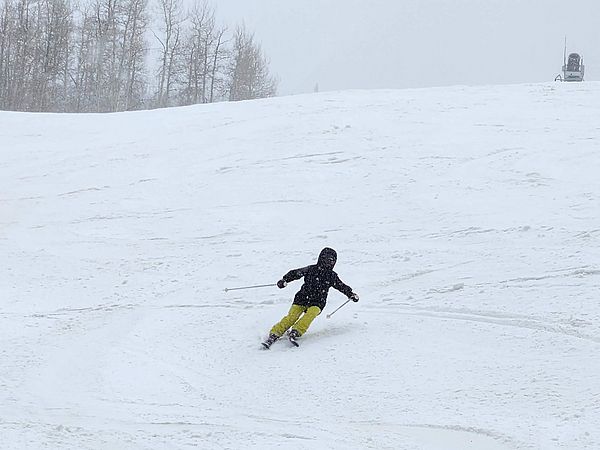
353 297
281 284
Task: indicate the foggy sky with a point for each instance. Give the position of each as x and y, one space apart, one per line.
342 44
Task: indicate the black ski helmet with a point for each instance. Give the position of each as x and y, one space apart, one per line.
327 258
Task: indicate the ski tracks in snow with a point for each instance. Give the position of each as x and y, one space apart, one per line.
568 329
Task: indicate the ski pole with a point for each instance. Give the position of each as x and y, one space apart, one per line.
329 315
249 287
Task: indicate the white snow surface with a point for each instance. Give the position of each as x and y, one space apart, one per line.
466 218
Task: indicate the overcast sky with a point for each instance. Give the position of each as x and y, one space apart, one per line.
343 44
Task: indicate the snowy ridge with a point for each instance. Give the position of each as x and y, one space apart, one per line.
466 218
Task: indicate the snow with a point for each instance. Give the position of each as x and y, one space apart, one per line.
466 218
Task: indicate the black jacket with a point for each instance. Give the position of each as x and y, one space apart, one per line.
317 281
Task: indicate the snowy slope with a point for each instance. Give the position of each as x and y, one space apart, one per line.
466 218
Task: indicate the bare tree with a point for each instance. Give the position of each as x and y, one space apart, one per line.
170 40
17 48
249 69
55 57
52 83
97 57
6 47
204 52
34 50
109 68
220 55
202 20
132 55
84 70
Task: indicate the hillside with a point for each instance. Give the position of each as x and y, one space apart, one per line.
467 219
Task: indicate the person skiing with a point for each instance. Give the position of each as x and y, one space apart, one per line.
310 300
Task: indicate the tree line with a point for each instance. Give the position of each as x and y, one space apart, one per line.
97 56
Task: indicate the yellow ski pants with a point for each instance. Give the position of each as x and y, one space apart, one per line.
293 319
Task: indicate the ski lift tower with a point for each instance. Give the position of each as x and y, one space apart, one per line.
573 68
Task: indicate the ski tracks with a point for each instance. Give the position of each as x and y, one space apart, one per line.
494 318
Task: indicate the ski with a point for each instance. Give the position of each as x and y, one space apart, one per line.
269 341
292 337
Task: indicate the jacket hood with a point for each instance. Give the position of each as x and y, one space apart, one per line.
327 258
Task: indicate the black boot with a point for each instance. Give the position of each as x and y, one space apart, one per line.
293 335
269 341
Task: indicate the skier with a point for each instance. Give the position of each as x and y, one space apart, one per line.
311 298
